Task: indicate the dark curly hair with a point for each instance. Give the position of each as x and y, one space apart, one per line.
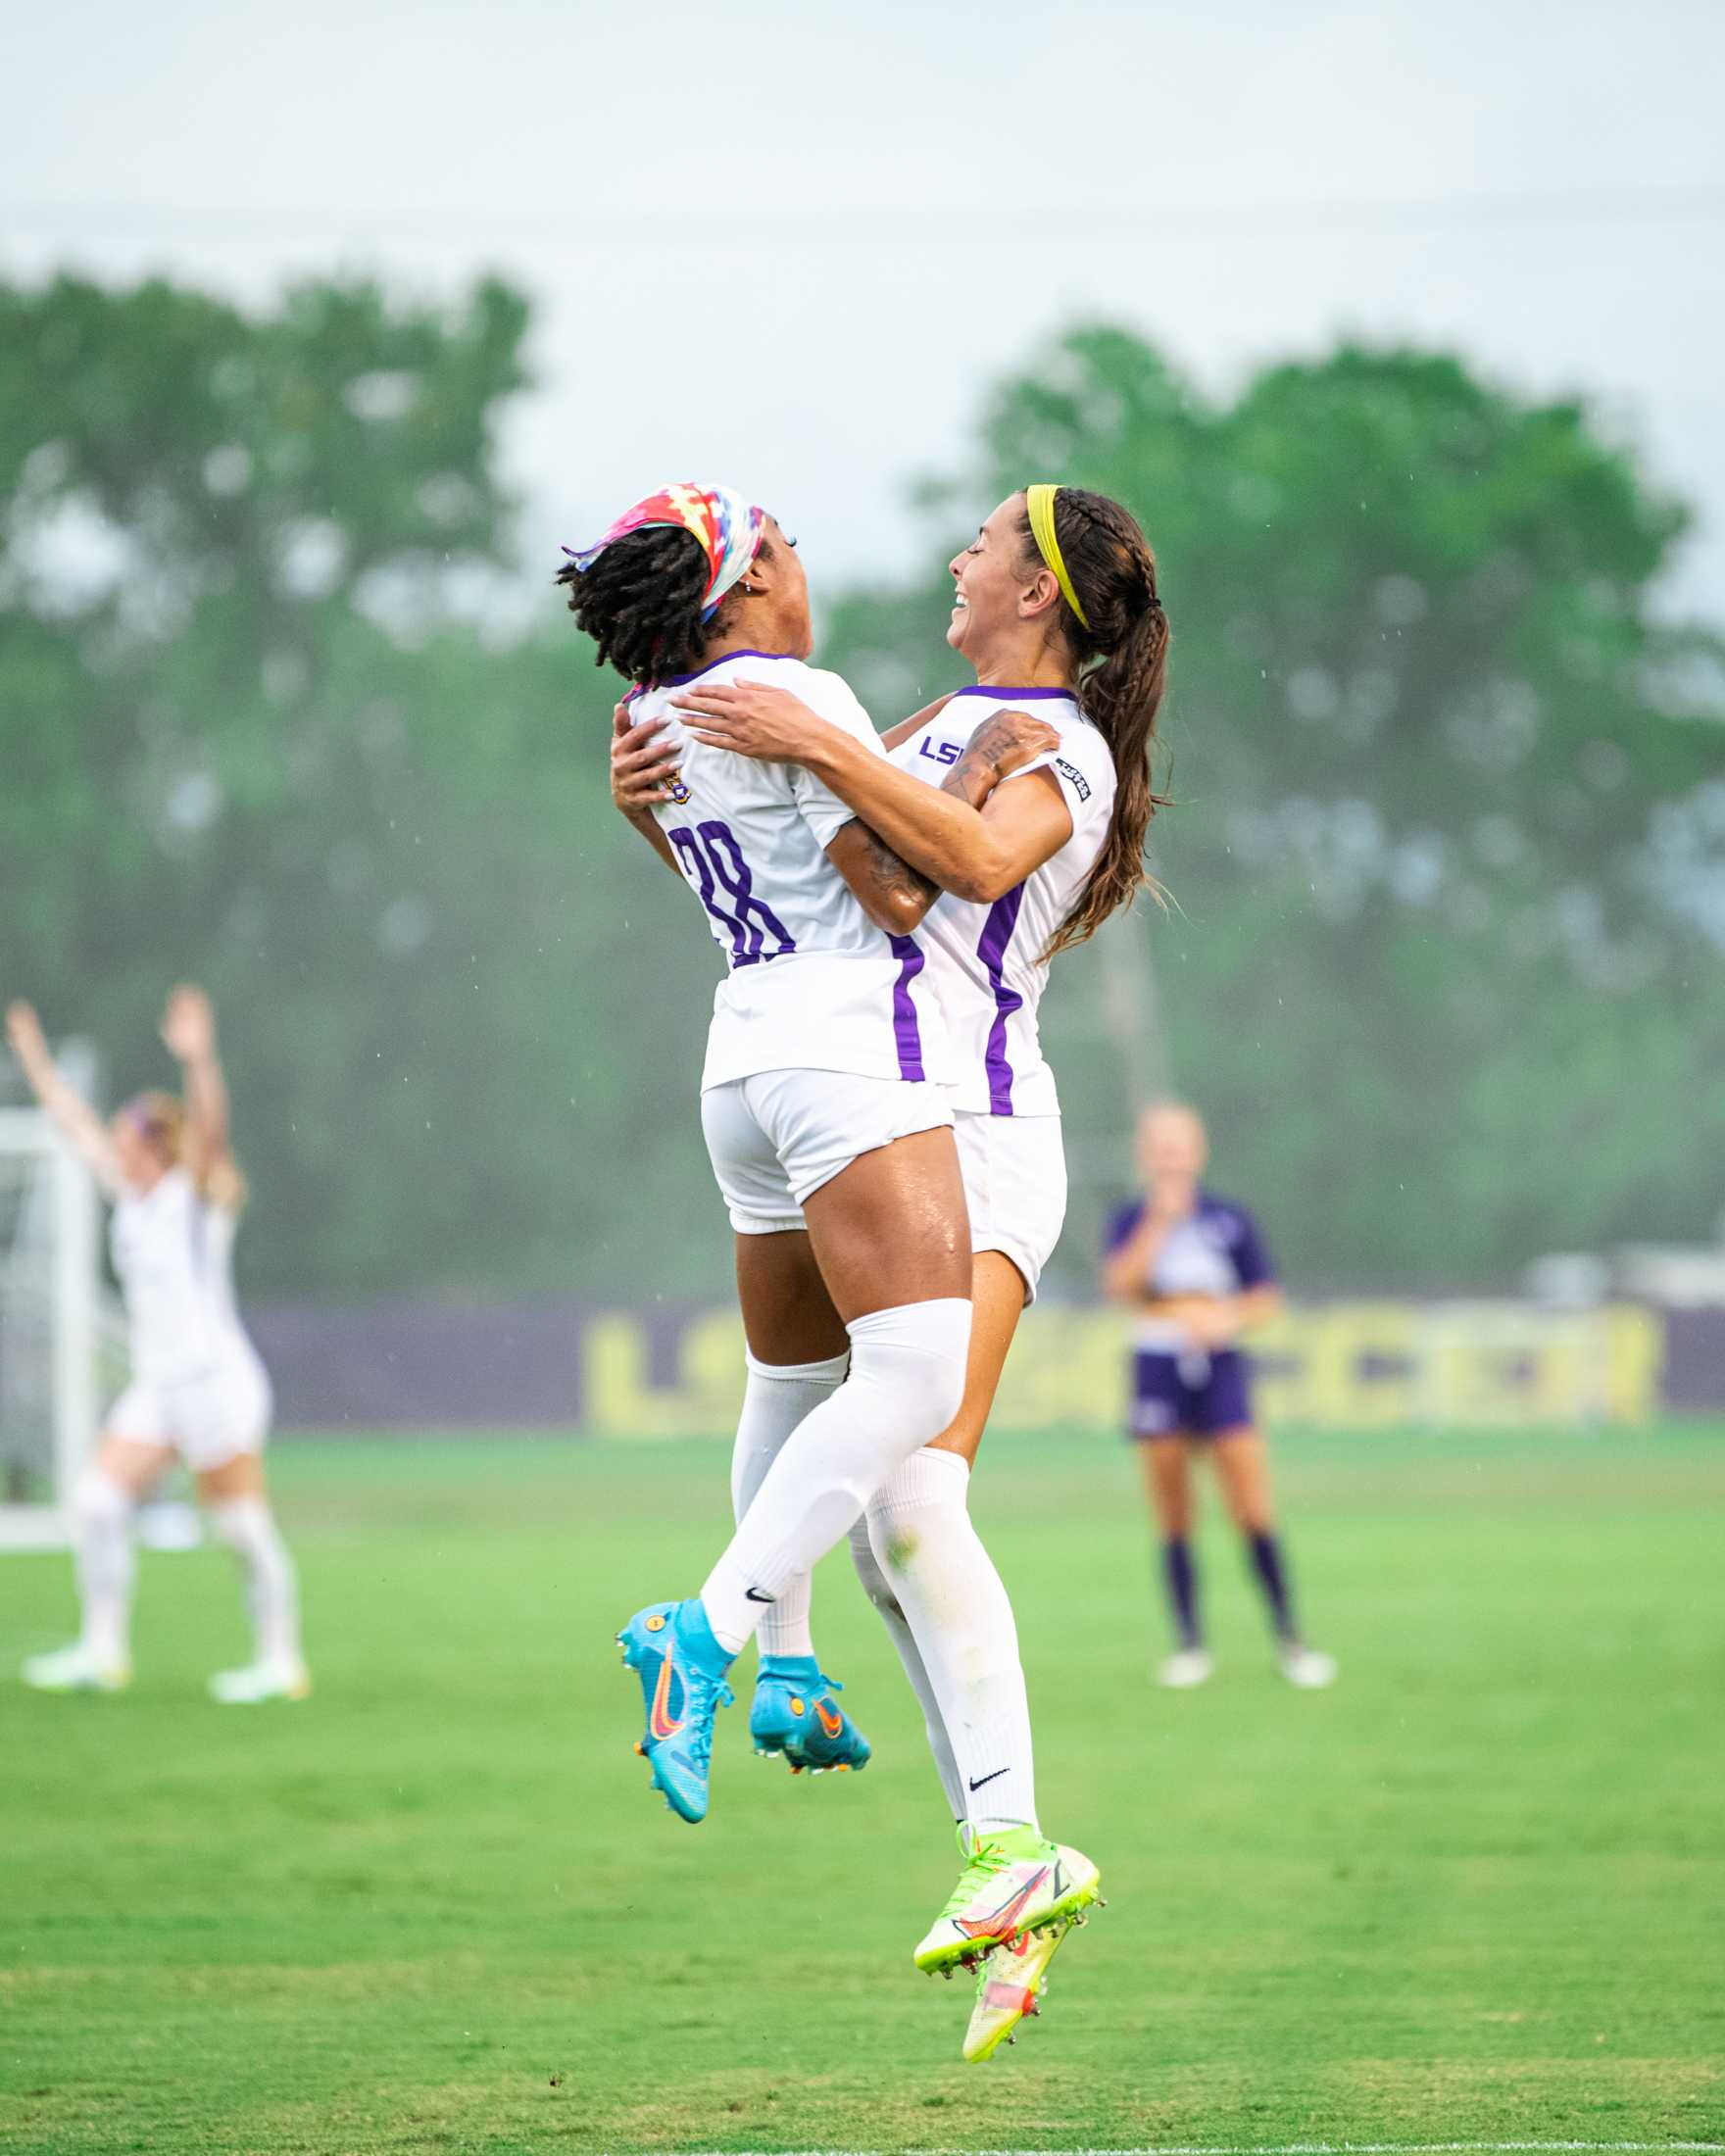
641 602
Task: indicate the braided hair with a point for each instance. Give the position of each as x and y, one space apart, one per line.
641 602
1122 657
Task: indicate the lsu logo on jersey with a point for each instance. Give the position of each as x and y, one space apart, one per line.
677 791
940 752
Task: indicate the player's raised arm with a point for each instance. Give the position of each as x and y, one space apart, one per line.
71 1112
976 854
188 1031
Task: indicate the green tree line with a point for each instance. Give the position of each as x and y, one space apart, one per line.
1442 954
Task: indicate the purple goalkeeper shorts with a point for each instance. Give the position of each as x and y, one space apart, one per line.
1195 1395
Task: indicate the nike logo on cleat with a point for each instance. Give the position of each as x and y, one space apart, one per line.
995 1777
661 1722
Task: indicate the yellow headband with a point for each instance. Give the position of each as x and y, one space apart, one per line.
1041 502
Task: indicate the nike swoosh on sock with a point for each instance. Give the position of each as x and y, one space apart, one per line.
754 1594
995 1777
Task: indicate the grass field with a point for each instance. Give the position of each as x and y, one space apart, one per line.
1477 1894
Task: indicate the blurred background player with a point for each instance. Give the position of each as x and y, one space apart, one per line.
1056 606
1194 1268
198 1389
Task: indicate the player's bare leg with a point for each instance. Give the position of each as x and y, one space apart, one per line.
890 1233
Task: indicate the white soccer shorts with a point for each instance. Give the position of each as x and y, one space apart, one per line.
776 1138
208 1420
1015 1187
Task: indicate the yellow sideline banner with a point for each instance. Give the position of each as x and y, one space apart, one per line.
1331 1366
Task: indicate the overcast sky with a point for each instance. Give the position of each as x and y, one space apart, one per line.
789 245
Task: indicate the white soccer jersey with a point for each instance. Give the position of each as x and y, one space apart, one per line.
985 959
812 983
156 1240
220 1301
173 1252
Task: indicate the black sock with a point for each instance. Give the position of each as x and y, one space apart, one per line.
1182 1585
1272 1575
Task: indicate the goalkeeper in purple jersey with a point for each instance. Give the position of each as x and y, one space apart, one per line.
1195 1269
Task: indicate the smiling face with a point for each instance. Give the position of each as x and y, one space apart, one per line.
998 592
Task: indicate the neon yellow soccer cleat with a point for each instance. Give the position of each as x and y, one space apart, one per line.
1010 1987
75 1669
1011 1883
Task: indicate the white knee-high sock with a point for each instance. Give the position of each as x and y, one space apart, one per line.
777 1397
106 1563
271 1589
959 1612
907 1380
880 1594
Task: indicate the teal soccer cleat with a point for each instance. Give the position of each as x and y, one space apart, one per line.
670 1647
795 1713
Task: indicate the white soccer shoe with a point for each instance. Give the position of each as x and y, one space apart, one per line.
1180 1672
258 1682
75 1669
1307 1668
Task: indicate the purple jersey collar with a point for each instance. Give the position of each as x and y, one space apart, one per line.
1017 696
678 681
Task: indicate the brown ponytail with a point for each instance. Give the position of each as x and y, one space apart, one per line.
1123 660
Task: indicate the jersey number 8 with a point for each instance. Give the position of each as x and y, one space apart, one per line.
714 863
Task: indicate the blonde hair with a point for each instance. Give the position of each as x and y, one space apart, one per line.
161 1120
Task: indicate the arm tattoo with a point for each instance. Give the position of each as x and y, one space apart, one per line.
891 876
976 773
972 777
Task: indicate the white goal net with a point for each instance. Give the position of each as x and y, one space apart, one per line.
52 1327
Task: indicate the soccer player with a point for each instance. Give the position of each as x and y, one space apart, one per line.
1056 606
1193 1267
198 1389
828 1130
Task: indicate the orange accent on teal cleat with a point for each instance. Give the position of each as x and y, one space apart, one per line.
794 1713
670 1647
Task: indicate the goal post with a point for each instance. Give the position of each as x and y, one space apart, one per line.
51 1328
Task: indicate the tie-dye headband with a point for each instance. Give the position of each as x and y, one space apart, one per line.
728 527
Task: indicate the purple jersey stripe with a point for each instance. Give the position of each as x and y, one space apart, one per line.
997 933
906 1032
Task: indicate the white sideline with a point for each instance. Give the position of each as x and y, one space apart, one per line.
1333 2148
